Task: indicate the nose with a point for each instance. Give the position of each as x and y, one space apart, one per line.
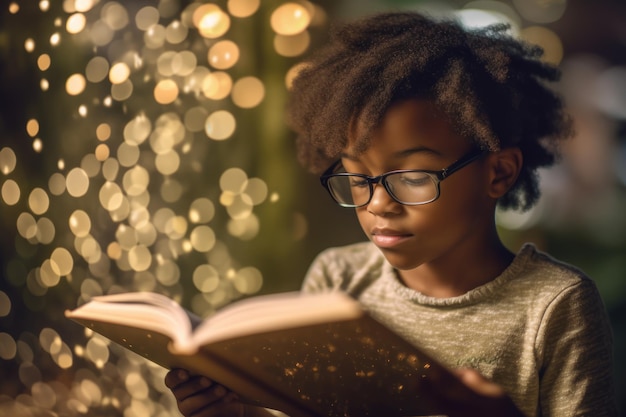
382 204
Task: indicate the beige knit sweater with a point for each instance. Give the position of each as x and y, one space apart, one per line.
540 329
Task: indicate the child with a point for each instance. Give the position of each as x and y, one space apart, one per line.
426 128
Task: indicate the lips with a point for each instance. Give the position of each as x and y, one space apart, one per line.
387 238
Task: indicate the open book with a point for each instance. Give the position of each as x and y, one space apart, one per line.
305 355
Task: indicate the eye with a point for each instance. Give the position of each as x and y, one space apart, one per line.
413 179
357 181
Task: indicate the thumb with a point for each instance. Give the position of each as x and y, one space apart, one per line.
479 383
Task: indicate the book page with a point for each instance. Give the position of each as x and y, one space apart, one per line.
148 311
274 312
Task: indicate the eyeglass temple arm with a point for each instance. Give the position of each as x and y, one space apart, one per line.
462 162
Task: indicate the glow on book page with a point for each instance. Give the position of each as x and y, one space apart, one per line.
170 322
276 312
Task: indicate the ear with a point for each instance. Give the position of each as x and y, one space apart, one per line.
505 166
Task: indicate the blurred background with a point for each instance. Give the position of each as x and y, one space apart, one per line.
143 147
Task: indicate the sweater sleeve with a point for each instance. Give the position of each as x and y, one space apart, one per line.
575 352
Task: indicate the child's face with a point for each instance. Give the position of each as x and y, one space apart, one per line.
415 135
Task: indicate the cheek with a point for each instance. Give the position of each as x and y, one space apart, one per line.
364 218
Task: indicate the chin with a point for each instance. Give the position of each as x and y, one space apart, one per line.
401 261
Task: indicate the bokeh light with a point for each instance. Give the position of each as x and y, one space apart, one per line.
153 156
290 19
223 54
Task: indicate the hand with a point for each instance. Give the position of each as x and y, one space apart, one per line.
198 396
472 395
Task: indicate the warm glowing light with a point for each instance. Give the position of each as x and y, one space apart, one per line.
167 163
194 118
294 45
43 62
154 37
206 278
10 192
102 152
100 33
248 92
75 84
61 261
541 11
119 73
201 210
8 161
38 201
220 125
56 184
83 5
29 45
127 154
290 19
546 39
77 182
217 85
110 169
176 32
110 196
211 21
117 211
37 145
114 15
233 180
176 227
223 55
176 63
97 69
80 223
202 238
136 181
166 91
243 8
137 130
479 18
122 91
76 23
256 189
147 17
55 39
103 132
293 72
96 350
139 258
248 280
32 127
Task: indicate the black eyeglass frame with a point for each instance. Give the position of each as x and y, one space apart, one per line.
437 177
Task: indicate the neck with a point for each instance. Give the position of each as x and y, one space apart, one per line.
460 272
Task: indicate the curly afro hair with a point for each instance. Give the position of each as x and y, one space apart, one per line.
493 88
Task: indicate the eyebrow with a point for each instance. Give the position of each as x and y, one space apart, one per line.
400 154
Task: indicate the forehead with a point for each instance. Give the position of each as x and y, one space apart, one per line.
411 123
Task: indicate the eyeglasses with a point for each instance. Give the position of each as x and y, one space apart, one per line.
410 187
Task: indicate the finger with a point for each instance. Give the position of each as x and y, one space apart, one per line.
193 386
176 377
228 406
479 383
206 402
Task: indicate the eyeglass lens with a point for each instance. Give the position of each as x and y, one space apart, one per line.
405 187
